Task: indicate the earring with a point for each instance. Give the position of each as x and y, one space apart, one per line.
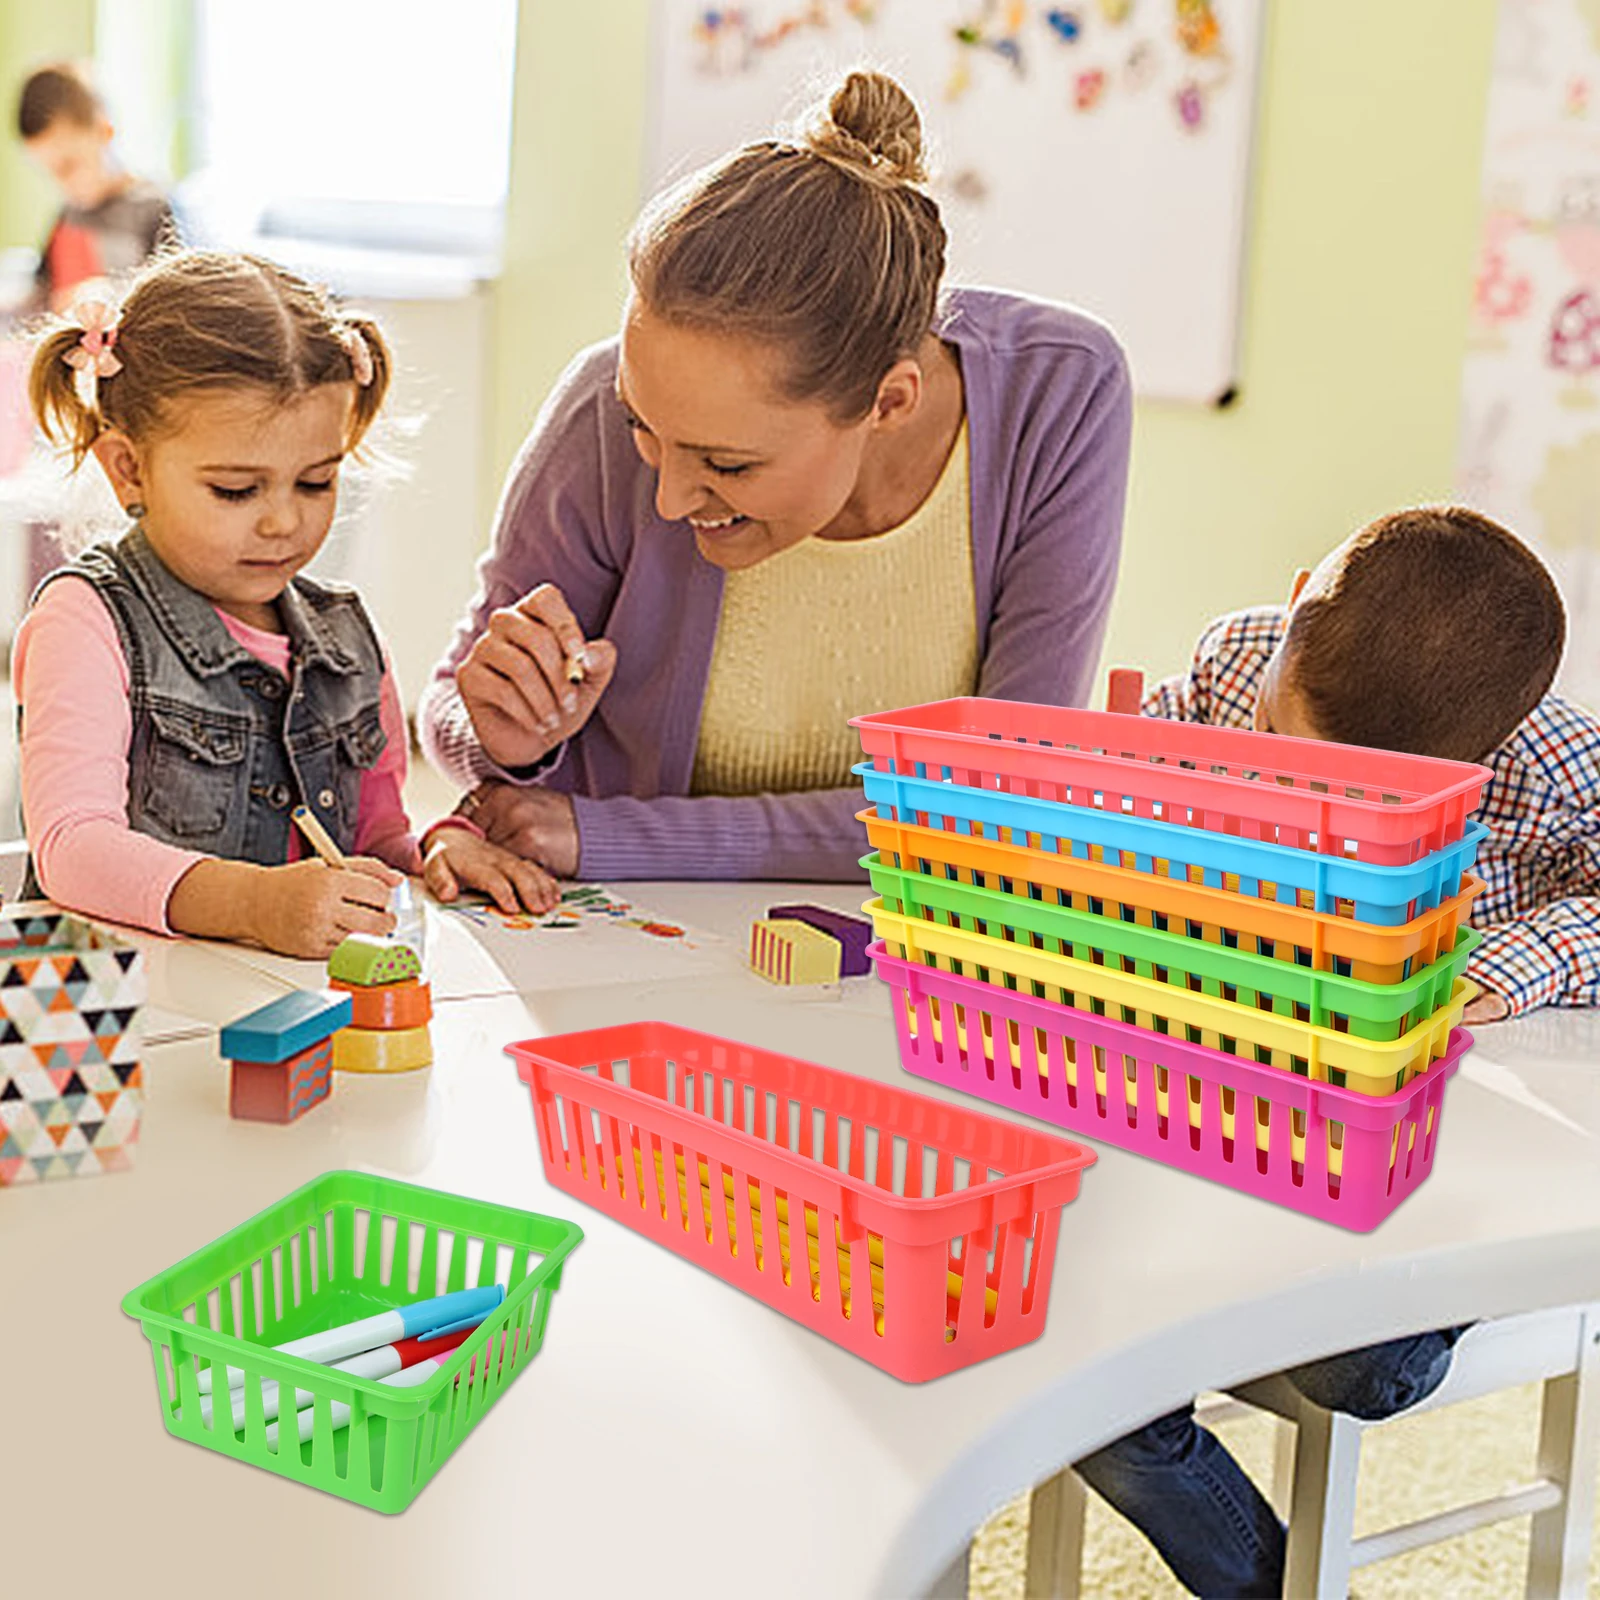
135 510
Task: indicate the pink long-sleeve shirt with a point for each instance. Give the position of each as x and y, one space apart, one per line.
71 680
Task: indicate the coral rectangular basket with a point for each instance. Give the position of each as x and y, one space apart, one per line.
1369 805
716 1149
345 1246
1330 1153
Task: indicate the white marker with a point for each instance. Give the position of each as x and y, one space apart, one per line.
381 1363
406 1379
404 1322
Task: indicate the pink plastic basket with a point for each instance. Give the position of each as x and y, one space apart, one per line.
950 1214
1369 805
1343 1157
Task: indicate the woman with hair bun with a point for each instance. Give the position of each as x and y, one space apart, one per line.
804 483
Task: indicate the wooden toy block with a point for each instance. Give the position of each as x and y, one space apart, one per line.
853 933
365 1050
784 951
389 1006
364 960
280 1091
286 1026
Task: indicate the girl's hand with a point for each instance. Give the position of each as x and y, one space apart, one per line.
514 681
458 860
535 824
307 907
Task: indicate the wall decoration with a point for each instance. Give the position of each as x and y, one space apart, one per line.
1043 121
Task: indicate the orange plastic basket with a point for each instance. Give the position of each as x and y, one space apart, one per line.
712 1148
1372 806
1373 952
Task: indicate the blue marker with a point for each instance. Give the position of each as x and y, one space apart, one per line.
418 1321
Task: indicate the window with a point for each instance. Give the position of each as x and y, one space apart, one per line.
384 123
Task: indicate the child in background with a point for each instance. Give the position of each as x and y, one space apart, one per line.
111 222
183 689
1437 632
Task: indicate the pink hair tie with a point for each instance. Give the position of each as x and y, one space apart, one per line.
355 346
91 358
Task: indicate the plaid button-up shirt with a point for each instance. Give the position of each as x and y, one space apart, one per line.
1540 912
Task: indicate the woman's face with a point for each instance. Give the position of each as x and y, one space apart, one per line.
751 472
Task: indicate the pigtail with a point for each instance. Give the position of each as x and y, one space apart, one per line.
377 369
63 415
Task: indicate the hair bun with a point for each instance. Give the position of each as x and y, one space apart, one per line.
871 123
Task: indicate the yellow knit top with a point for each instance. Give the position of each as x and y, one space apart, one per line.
832 628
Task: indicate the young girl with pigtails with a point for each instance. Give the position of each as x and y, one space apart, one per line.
185 687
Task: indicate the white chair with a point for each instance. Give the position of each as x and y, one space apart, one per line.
1319 1455
1561 1350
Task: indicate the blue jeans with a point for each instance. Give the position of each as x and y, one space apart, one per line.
1176 1483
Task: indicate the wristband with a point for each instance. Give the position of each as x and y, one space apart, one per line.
466 824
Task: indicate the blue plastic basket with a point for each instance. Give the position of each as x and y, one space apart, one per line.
1376 894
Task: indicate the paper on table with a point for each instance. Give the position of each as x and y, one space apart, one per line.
595 936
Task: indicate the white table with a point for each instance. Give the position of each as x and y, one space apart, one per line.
674 1436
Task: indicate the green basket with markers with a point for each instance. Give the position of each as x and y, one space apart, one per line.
342 1249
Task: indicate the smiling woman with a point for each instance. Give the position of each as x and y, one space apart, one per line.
803 483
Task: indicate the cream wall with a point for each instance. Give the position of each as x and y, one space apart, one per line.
1359 271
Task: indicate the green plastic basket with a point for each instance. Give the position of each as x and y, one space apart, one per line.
348 1245
1350 1005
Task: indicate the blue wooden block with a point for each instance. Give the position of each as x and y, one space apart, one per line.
286 1026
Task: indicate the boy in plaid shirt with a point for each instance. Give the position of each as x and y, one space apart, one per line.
1432 631
1436 632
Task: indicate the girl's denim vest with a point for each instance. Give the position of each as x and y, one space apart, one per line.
224 747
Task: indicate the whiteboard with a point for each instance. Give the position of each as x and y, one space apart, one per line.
1084 153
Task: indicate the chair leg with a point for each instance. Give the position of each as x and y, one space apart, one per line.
1055 1538
1322 1506
1569 1455
1283 1452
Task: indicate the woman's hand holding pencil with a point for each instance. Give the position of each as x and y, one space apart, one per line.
532 679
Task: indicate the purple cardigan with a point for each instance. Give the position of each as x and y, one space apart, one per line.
1049 417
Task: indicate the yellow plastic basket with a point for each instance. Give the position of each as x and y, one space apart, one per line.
1369 1066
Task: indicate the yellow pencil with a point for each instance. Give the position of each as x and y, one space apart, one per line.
317 837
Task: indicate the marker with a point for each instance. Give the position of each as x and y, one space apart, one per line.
381 1363
317 836
447 1311
409 1378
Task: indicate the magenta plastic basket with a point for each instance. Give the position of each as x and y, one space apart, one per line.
1383 1147
1367 805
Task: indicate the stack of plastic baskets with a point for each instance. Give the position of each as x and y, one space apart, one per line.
1236 953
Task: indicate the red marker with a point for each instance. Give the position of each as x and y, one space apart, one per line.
430 1358
381 1363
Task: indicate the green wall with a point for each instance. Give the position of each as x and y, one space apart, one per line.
577 143
32 31
1359 270
1359 274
